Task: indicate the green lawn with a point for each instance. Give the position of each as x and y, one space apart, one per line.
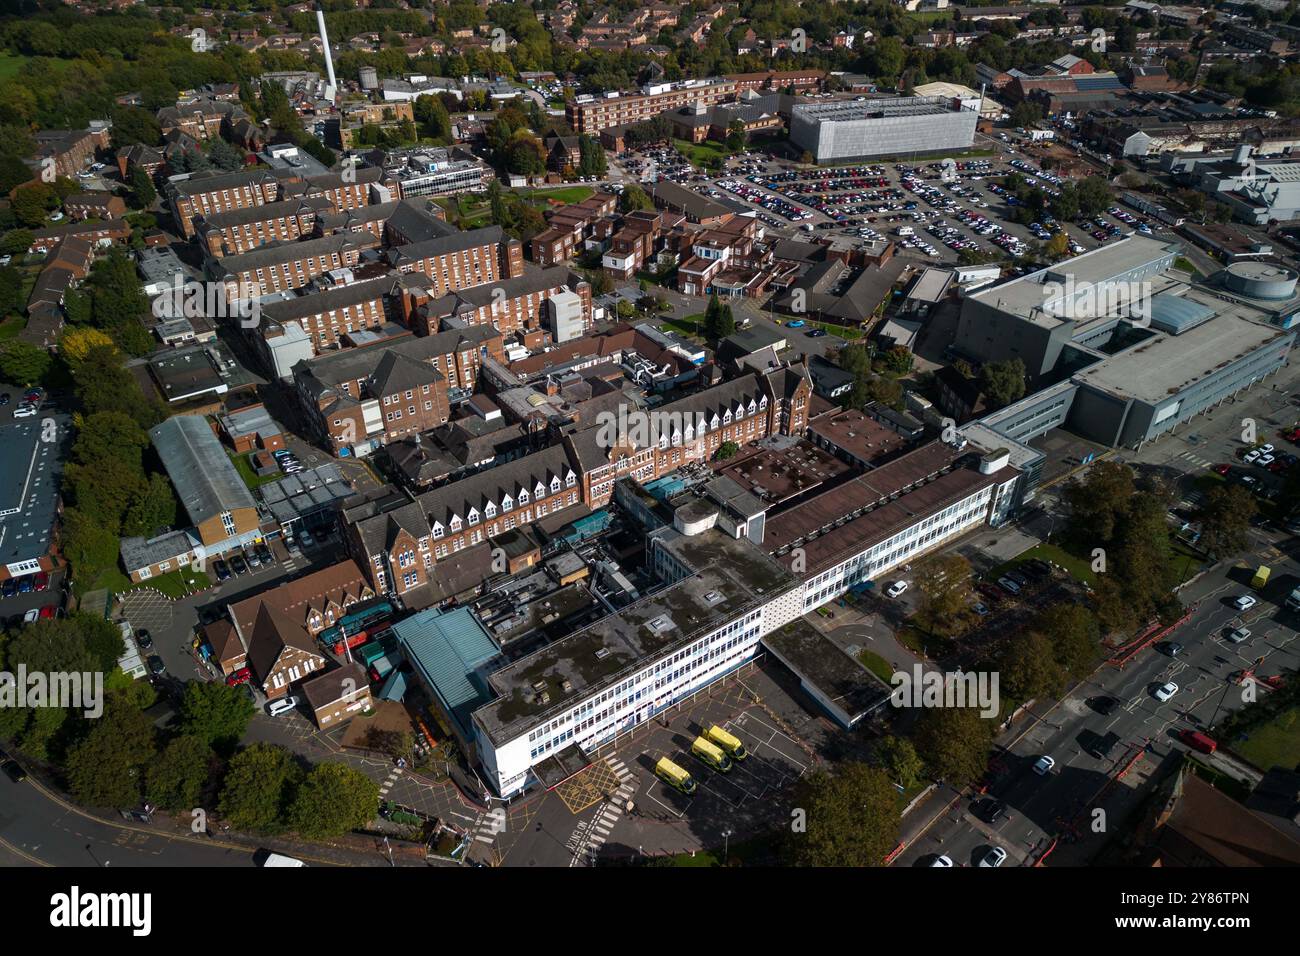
876 664
1080 568
702 154
692 325
1274 744
251 478
11 64
1185 264
174 584
838 330
565 194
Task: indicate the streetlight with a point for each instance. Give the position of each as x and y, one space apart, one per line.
726 845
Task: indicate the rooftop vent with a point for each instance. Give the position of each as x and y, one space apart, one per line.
660 624
713 597
539 685
602 653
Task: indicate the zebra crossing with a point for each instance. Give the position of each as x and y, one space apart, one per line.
489 825
1196 460
588 837
392 778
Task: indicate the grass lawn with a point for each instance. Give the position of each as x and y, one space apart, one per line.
1186 560
915 639
692 325
1274 744
251 477
1185 265
174 584
1080 568
841 331
11 64
112 580
702 154
876 664
565 195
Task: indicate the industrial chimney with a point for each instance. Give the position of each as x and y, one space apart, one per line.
332 89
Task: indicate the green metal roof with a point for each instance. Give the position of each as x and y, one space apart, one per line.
448 648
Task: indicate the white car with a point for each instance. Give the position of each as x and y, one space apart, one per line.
1239 635
994 857
897 588
1165 691
1245 602
25 411
1251 455
1264 460
941 861
1043 765
282 706
1266 449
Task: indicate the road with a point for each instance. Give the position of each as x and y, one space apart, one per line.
40 829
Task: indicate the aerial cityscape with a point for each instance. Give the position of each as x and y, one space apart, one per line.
582 434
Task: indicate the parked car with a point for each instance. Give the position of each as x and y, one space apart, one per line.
991 810
25 410
996 856
143 639
241 676
1166 691
1008 585
9 588
1239 635
305 539
156 665
26 585
1043 765
1173 648
1245 602
264 553
941 861
282 706
32 616
5 398
1104 705
49 612
221 569
40 581
238 564
896 589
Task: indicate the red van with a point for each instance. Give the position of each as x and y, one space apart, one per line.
1198 741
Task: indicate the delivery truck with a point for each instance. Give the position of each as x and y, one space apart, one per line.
1261 577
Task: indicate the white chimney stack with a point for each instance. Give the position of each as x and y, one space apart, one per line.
332 89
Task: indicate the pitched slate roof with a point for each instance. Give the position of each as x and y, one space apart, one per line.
202 474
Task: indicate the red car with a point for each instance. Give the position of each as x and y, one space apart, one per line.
48 611
241 676
1223 469
41 581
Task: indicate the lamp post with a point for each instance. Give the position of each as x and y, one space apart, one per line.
726 845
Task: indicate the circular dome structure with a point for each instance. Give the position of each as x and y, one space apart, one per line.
1261 280
695 517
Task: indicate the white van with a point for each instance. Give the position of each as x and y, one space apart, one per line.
905 232
279 859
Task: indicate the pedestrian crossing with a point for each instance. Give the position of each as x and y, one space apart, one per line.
489 825
1195 459
387 785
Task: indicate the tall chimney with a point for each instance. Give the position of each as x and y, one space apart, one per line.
332 89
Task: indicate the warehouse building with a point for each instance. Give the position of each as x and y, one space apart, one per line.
846 131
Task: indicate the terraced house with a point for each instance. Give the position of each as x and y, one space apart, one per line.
243 230
399 548
289 266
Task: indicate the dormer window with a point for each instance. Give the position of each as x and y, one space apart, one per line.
555 483
490 510
570 480
726 418
438 530
762 402
539 491
507 503
522 498
473 516
455 524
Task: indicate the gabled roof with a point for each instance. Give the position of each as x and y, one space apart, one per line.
397 372
204 477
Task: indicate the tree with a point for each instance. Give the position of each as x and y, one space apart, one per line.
954 742
728 449
333 799
1097 501
433 117
16 242
107 768
898 758
77 343
852 818
1072 631
23 363
634 198
943 580
1003 382
736 135
215 713
896 360
143 193
176 779
32 203
1028 668
89 546
1225 520
259 786
224 155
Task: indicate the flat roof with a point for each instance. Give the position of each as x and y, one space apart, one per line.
1164 365
858 435
30 475
823 664
1027 296
731 578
